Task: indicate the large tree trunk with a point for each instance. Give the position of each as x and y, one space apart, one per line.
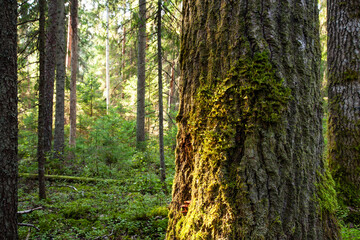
8 120
46 88
140 117
60 82
343 21
250 143
74 66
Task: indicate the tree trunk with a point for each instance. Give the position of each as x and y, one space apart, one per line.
107 61
161 108
250 142
46 88
74 66
8 120
140 117
343 21
60 82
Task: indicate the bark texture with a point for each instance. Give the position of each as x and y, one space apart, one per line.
107 61
8 120
250 142
74 67
344 97
47 48
59 140
140 117
161 105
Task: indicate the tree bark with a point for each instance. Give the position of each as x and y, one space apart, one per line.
107 61
46 88
59 140
250 144
8 120
343 23
74 66
161 107
140 117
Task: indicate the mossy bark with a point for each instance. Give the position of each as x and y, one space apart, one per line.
249 154
344 97
8 120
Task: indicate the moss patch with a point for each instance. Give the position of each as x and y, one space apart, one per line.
228 111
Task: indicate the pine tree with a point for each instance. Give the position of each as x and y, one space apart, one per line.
8 120
249 156
343 21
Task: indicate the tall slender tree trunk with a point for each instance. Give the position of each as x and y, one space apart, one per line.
140 117
343 23
171 94
123 52
250 144
74 67
107 61
161 107
46 87
69 43
59 140
8 120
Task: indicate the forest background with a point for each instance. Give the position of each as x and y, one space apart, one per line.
105 186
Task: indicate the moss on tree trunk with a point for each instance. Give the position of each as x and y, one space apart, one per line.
344 98
250 142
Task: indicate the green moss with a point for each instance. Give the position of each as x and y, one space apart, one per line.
326 193
250 96
351 75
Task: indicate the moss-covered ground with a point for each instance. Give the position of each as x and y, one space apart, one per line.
105 210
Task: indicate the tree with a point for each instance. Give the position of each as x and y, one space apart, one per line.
60 82
140 116
46 87
107 61
8 120
161 108
249 156
74 66
344 101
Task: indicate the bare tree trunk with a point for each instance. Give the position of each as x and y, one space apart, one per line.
140 117
8 120
60 82
161 108
69 43
46 88
250 144
343 23
74 66
123 52
107 61
171 95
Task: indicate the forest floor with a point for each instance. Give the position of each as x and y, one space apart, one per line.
103 210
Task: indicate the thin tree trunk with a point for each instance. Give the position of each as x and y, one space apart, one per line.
8 120
46 88
60 83
171 95
74 66
343 24
140 117
161 108
123 52
69 43
250 144
107 61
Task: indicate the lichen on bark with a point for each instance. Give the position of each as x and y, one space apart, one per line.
250 144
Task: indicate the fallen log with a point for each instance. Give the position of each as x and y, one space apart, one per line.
67 178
